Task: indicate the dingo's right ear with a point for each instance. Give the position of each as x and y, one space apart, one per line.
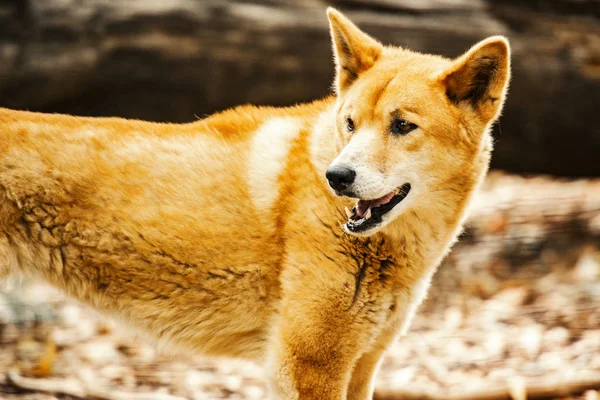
479 78
354 51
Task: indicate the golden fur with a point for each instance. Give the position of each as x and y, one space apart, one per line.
222 236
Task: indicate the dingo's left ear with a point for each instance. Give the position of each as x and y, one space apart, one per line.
479 78
354 51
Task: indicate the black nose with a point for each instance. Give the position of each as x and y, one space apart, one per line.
340 177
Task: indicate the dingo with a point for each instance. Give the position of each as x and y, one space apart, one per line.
303 238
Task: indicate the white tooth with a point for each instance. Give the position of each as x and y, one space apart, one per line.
348 212
368 214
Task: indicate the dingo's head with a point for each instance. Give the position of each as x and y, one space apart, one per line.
408 124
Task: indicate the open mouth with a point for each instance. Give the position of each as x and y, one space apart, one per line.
368 213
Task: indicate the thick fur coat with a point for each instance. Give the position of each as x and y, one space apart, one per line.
222 236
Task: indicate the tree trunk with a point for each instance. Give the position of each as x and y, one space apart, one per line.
182 59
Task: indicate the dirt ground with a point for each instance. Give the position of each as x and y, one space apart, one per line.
513 313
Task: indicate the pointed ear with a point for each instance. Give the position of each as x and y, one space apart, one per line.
479 78
354 51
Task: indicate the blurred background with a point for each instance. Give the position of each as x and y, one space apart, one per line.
514 312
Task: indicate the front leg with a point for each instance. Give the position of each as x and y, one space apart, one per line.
362 383
320 334
406 301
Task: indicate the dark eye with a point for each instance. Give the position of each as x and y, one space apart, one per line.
401 127
349 124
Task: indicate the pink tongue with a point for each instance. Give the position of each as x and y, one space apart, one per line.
364 205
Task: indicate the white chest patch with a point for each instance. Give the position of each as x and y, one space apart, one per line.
268 156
